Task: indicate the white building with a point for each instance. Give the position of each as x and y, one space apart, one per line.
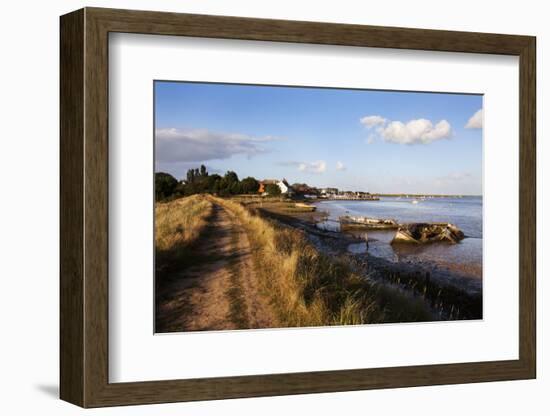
283 185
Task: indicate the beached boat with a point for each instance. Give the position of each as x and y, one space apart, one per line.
350 221
421 233
305 206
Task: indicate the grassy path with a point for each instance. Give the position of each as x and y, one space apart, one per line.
218 288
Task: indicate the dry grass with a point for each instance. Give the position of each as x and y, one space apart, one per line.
178 224
306 287
276 205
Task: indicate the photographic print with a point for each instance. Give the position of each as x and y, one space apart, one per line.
281 207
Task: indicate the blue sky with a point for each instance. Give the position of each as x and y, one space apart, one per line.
377 141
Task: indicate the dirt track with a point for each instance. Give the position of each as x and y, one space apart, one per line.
220 290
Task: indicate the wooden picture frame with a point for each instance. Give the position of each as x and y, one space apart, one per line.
84 207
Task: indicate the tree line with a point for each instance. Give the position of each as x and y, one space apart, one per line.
199 181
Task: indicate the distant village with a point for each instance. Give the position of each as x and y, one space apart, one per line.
309 192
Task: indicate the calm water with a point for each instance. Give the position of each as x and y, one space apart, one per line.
465 212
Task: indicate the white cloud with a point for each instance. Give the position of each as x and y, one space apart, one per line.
420 131
318 166
179 145
340 166
371 121
476 121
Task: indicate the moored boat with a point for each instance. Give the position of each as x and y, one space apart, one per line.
349 221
